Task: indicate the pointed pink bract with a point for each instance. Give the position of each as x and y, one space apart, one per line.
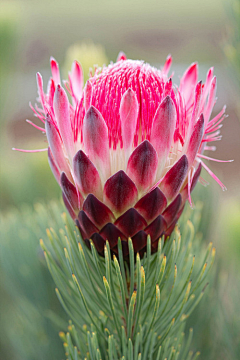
56 146
174 178
55 71
188 83
142 166
95 138
86 175
69 191
53 166
119 192
61 110
97 212
163 129
121 56
128 115
130 222
167 65
76 80
195 140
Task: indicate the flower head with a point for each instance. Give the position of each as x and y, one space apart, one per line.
127 148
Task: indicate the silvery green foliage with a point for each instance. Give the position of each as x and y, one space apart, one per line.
30 313
131 311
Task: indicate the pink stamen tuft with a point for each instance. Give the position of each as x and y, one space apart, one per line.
109 87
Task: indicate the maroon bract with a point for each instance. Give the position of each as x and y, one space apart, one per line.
127 149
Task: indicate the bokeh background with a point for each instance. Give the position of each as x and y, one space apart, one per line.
94 31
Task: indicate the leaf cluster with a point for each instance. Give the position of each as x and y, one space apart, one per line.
127 310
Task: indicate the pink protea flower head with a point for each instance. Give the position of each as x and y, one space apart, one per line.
127 148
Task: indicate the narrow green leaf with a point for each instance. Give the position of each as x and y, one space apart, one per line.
64 285
78 339
124 343
62 336
110 347
180 337
96 261
177 355
121 261
130 314
184 299
209 248
162 270
75 353
159 353
98 355
190 354
152 344
84 270
68 227
187 345
130 350
170 294
131 258
69 262
55 245
116 349
66 348
146 346
110 275
160 275
186 284
85 305
91 350
157 303
168 330
204 273
96 345
171 353
110 301
196 355
70 345
148 254
138 286
136 346
168 267
190 310
122 289
139 307
107 262
158 265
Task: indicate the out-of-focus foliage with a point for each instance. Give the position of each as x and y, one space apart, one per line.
8 40
26 178
88 55
30 313
228 230
232 46
217 319
143 29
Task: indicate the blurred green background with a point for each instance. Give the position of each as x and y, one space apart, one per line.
94 31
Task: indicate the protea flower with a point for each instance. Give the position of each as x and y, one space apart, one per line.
127 148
